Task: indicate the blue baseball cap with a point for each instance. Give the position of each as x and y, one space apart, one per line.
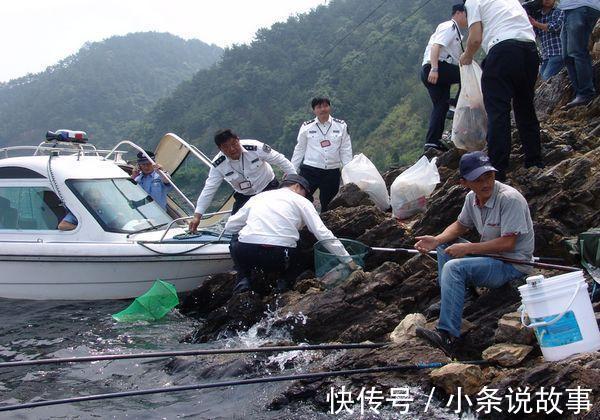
473 165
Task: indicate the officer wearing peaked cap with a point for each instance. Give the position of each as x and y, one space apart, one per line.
323 147
152 178
245 165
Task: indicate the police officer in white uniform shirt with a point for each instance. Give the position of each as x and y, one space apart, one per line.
268 227
510 71
323 148
440 71
245 165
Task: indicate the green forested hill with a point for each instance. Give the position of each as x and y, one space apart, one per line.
104 89
262 90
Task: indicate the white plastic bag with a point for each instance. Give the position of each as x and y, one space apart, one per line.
361 171
469 126
411 188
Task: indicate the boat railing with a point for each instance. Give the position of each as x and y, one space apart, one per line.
72 148
179 219
163 173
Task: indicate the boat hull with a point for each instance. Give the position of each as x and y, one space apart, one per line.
102 277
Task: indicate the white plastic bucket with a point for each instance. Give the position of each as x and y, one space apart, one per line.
561 314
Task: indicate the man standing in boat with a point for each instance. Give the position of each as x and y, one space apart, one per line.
323 148
500 215
151 178
245 165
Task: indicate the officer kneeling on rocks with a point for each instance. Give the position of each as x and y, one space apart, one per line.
500 215
268 227
245 165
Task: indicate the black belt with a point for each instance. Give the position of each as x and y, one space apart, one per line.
517 43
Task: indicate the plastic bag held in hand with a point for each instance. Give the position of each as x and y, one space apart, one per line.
469 126
364 174
411 188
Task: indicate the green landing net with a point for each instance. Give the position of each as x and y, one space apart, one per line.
152 305
328 267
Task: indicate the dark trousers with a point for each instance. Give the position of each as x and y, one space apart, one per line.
448 74
241 199
270 259
326 180
575 37
510 71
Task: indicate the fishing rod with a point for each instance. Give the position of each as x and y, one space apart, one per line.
203 352
497 257
220 384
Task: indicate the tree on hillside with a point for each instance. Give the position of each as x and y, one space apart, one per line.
262 90
104 89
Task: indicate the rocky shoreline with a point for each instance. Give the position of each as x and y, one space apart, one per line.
384 302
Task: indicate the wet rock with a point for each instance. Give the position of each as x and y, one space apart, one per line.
367 306
238 314
406 328
350 195
212 294
506 354
581 370
511 330
454 375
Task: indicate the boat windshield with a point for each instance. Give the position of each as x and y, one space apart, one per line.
119 205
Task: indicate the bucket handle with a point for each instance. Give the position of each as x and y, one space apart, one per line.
556 318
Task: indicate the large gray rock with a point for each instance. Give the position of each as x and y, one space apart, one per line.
511 330
506 354
454 375
406 328
350 195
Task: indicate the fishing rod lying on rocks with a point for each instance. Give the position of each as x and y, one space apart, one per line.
497 257
281 378
203 352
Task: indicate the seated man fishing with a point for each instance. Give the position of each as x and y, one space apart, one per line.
268 226
500 215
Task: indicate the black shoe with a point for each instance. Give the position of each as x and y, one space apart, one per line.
243 285
438 338
579 101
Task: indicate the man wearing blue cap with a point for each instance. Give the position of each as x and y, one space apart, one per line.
151 178
268 226
500 215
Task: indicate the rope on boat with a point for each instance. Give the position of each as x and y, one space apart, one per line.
220 384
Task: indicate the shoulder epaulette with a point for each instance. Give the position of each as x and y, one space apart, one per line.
339 121
218 161
307 122
251 147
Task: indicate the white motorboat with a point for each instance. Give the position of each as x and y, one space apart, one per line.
123 240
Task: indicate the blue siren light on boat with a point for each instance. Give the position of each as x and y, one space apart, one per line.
70 136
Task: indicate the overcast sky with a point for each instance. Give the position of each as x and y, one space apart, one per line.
35 34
